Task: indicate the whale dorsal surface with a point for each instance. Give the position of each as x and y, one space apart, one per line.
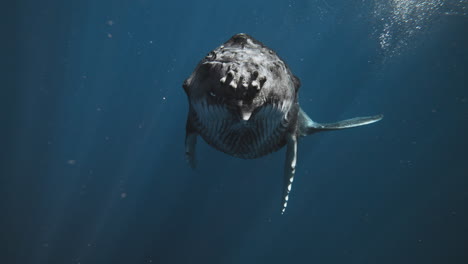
243 102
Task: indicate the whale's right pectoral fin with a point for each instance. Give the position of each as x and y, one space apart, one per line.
307 126
190 143
289 168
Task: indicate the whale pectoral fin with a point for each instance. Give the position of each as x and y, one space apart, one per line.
190 143
349 123
289 168
307 126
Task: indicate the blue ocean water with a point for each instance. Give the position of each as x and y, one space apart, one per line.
93 123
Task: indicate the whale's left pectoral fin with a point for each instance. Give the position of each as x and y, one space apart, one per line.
289 168
307 126
190 143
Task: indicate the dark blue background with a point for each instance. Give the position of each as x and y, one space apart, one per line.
93 122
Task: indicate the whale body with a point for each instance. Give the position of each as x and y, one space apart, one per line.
243 101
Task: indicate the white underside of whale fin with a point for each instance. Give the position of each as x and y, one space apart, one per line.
289 169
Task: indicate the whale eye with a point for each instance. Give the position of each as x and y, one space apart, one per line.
212 94
211 56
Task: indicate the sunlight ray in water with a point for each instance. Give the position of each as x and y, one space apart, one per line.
401 20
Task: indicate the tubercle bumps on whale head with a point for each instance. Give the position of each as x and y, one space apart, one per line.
239 88
242 73
240 65
246 84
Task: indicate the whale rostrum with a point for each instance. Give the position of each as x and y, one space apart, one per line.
243 101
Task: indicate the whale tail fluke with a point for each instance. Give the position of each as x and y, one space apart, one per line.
307 126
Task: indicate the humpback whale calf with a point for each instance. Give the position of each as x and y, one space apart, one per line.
243 102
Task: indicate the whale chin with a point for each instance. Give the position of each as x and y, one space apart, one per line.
226 131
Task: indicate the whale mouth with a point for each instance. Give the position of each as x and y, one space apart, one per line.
216 119
211 111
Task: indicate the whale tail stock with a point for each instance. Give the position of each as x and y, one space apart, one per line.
307 126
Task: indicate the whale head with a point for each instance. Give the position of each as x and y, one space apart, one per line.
242 75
